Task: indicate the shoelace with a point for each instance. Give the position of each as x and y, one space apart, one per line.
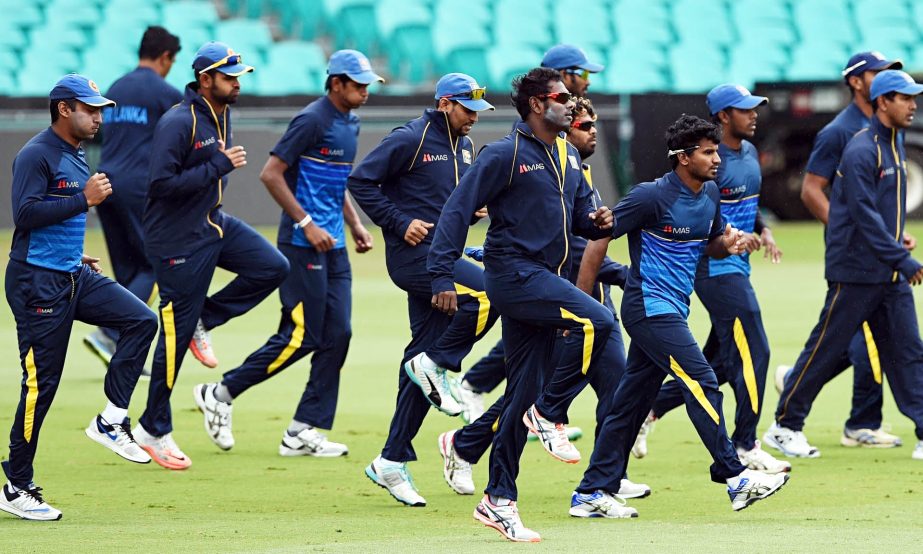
611 502
200 335
560 433
123 434
405 475
34 493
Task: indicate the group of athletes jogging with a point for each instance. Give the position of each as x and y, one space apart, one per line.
543 273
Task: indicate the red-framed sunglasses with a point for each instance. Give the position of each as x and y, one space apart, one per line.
559 97
584 125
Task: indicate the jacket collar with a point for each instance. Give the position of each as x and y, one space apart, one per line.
193 96
877 127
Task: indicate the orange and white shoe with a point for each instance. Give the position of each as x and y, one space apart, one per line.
201 346
163 450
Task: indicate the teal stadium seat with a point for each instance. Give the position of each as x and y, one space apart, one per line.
506 63
824 21
892 23
353 24
697 66
635 68
12 37
252 38
406 39
696 20
753 61
132 13
8 84
74 13
9 61
583 23
191 39
465 52
915 60
60 33
761 21
189 13
292 67
105 64
817 61
512 29
42 65
299 18
642 21
23 15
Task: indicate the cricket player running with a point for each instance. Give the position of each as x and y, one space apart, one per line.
142 96
402 185
671 223
188 235
737 347
306 175
537 197
868 267
50 283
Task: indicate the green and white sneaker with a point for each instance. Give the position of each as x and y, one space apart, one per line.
395 478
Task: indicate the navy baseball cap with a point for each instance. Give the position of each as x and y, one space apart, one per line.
80 88
464 90
893 80
220 56
869 61
354 65
565 56
723 97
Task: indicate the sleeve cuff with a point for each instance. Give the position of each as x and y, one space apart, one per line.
223 163
908 267
442 284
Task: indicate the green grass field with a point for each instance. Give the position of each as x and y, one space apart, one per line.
252 500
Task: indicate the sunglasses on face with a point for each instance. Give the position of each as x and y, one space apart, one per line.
559 97
232 59
582 73
584 125
476 94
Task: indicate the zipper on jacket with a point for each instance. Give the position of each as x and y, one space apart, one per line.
222 136
897 172
559 175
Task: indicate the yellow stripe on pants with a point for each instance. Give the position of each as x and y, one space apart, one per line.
588 333
28 419
873 352
169 339
483 305
695 388
295 343
740 338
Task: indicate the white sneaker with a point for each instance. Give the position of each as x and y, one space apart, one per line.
600 504
27 504
754 486
100 344
552 436
471 401
217 415
395 478
782 372
760 460
310 442
869 438
628 489
572 431
791 443
505 519
434 384
117 438
918 452
163 450
639 449
455 470
201 346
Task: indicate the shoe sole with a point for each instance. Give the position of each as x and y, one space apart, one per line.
779 378
200 404
210 364
97 350
163 463
372 478
770 493
408 369
599 515
22 515
644 494
493 525
103 442
853 443
768 439
445 458
527 421
287 452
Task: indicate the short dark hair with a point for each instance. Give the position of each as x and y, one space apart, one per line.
888 95
341 77
533 83
196 74
688 131
53 107
156 41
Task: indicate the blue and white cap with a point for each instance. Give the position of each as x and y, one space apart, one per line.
723 97
219 56
80 88
464 90
567 56
354 65
894 80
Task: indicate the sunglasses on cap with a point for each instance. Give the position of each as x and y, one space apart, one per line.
475 94
584 125
232 59
582 73
559 97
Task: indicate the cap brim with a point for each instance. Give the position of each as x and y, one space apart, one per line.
95 101
886 64
475 105
592 67
749 102
235 70
911 90
366 77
